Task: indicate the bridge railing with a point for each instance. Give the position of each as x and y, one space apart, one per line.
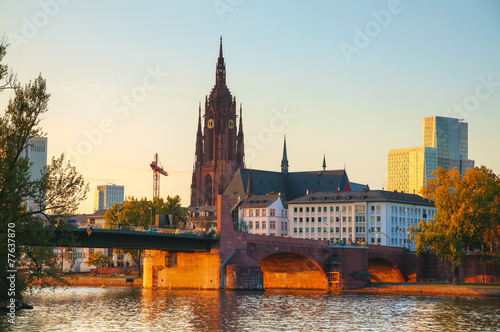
140 228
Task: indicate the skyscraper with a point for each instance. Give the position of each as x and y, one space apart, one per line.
408 170
450 138
445 145
106 196
219 149
36 152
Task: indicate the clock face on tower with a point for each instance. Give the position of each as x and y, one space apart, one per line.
231 124
211 123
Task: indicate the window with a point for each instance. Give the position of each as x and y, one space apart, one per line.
378 208
300 219
331 229
312 229
324 208
337 219
312 209
263 225
343 219
257 213
307 209
337 229
359 208
300 230
337 209
312 219
271 212
250 225
343 229
378 218
372 208
324 219
263 212
300 209
295 229
295 210
331 208
294 220
256 225
349 208
307 219
272 225
250 213
286 213
307 229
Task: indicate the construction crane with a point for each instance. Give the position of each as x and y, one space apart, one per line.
157 170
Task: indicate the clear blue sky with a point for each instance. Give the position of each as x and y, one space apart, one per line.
354 78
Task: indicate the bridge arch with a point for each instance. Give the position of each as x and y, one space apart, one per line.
382 270
292 271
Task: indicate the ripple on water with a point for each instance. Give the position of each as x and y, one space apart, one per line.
134 309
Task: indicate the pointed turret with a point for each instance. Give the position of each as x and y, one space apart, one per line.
199 139
284 159
240 148
324 164
220 77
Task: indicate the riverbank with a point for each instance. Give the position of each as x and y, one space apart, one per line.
126 281
484 290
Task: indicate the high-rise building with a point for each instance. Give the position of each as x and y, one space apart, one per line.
450 138
445 145
105 196
219 147
36 152
408 170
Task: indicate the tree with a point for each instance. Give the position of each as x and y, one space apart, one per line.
98 259
135 254
56 193
467 215
138 212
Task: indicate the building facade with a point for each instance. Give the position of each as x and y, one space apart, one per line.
105 196
450 138
219 142
408 170
263 215
359 217
36 152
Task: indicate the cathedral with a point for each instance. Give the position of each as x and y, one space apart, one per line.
219 149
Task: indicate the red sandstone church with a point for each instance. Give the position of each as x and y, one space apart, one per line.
219 166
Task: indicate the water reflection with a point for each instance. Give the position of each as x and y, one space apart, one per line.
134 309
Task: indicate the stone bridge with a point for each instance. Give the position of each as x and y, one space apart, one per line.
248 261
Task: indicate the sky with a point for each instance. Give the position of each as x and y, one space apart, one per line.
350 80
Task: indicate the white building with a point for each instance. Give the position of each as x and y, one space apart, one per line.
264 215
36 152
106 196
362 217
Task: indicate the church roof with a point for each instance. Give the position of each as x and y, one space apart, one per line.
259 201
293 185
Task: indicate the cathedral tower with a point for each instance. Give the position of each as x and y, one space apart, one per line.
219 148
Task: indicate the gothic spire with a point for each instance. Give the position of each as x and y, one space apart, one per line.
324 163
284 160
199 138
221 67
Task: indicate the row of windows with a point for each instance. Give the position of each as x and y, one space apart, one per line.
272 225
357 208
262 212
357 219
325 229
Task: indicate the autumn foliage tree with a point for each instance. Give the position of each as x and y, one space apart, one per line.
467 216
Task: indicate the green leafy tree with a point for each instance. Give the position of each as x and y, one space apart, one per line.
135 254
56 193
467 215
98 259
138 211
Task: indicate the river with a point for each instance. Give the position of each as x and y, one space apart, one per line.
136 309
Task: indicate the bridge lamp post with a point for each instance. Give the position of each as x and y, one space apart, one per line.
387 236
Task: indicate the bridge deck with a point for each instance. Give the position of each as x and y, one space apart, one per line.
103 238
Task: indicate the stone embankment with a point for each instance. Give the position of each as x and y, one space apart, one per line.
432 289
106 281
